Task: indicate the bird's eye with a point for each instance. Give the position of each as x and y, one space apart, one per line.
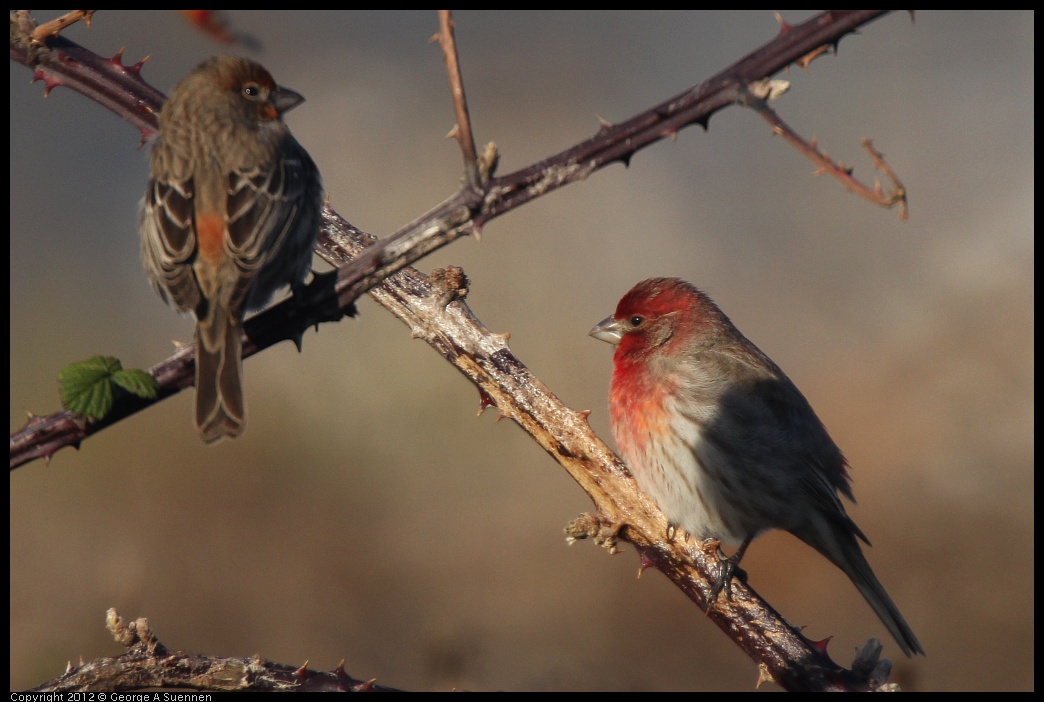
636 320
252 91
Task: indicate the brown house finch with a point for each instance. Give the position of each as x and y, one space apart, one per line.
230 216
723 441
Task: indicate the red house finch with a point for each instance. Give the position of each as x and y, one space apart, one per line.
230 216
723 441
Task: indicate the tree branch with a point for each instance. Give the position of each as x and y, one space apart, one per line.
622 510
839 171
147 663
462 131
436 313
58 61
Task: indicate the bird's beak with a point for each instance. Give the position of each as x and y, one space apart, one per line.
285 99
608 330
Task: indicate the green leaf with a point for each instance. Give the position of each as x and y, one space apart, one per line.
137 382
88 387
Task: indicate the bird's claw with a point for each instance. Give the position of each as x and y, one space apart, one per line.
727 570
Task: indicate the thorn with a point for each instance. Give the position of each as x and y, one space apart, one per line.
49 83
416 333
806 60
68 667
484 401
644 562
821 645
503 338
584 414
476 231
298 340
500 415
339 670
453 133
433 38
603 124
784 27
365 687
764 675
626 160
136 68
302 672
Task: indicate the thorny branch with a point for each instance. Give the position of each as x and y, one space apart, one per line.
462 131
843 173
51 29
121 88
437 314
147 663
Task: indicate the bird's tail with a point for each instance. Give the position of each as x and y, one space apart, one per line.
220 411
838 543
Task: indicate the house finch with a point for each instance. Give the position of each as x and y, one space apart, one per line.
723 441
230 216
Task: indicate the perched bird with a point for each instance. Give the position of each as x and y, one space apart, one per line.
723 441
230 216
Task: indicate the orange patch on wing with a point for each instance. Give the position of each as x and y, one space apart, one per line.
210 235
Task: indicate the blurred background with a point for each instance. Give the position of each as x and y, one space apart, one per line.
368 515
